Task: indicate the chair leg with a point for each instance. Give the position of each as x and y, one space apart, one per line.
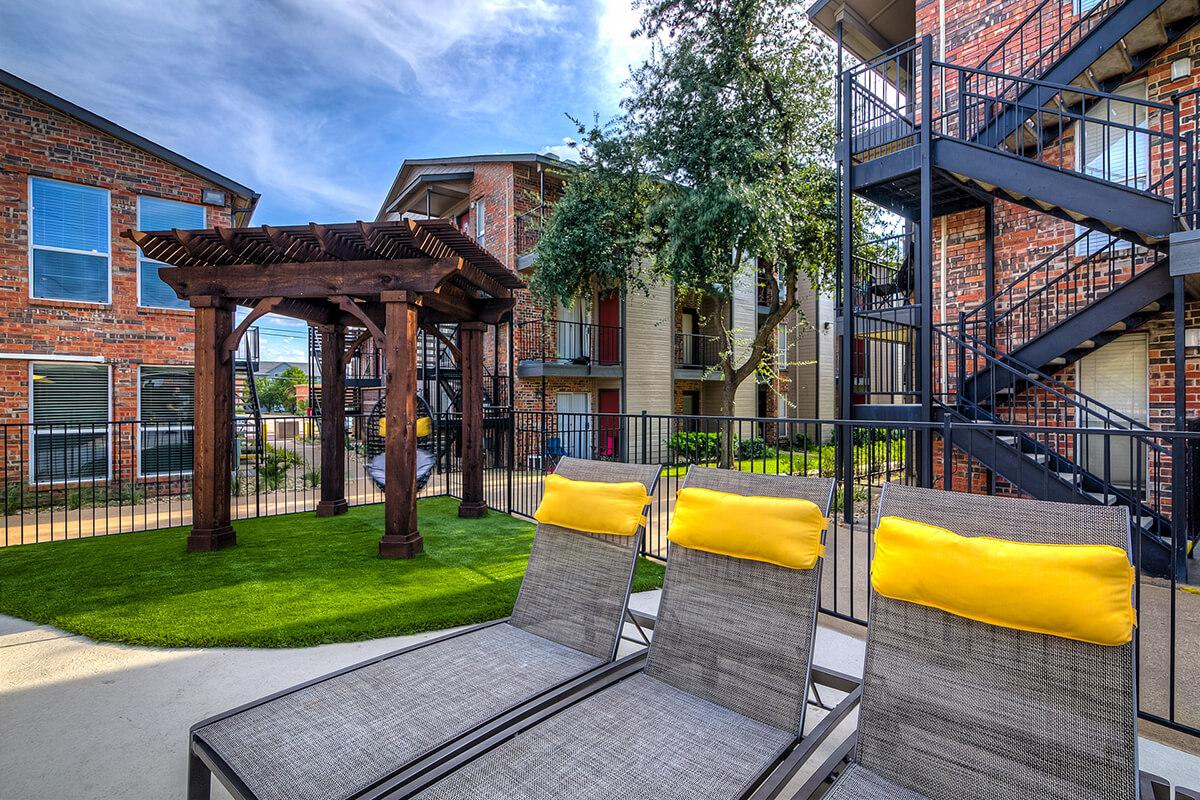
199 778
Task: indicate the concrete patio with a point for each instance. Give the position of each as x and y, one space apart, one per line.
95 721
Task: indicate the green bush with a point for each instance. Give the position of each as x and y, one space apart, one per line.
753 448
276 463
695 446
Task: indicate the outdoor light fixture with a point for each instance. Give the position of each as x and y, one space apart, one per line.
1191 338
214 197
1181 68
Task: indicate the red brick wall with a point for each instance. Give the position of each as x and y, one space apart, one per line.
38 141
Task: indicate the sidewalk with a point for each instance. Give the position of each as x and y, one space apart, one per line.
93 721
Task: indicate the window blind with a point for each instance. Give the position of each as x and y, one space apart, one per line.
70 237
156 214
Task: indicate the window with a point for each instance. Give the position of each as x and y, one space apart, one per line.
1084 6
480 223
1114 148
155 214
165 409
69 441
69 241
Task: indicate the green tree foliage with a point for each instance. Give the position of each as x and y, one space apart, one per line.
721 160
279 394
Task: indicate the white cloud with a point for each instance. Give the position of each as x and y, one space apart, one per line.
260 90
567 151
619 49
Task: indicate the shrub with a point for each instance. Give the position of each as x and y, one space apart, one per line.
276 463
695 446
753 448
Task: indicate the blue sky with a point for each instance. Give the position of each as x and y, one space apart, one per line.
315 104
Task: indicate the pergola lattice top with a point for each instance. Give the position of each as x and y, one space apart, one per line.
310 265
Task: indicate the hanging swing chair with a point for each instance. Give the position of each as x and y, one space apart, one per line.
377 430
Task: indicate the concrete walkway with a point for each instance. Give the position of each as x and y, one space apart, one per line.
92 721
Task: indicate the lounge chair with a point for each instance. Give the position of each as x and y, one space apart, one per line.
715 711
344 733
954 708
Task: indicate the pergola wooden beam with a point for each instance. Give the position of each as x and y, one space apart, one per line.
310 279
387 277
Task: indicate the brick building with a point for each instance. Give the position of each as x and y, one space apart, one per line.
88 331
1042 157
607 353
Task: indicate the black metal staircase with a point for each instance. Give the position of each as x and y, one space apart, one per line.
1034 124
247 412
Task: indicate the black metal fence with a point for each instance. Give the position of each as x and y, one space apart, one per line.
70 481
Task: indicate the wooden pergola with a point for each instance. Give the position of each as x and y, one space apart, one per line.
389 279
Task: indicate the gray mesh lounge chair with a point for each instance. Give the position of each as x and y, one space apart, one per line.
343 734
718 705
957 709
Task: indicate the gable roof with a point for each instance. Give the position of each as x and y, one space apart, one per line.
456 168
111 128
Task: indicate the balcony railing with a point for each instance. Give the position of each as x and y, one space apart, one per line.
567 342
697 351
527 228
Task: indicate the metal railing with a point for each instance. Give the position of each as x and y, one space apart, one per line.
697 351
1141 145
93 487
1044 36
1072 277
528 226
569 342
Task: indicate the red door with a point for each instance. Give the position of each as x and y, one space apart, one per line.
608 332
608 429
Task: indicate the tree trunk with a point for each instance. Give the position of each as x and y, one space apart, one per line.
728 391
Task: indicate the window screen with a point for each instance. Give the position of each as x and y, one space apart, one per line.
165 409
70 421
70 241
155 214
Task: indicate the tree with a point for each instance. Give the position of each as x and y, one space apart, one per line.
718 172
280 393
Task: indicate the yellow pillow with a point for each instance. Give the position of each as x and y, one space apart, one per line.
593 506
1076 591
424 427
785 531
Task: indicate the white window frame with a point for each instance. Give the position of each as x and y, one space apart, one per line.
141 470
479 219
141 257
107 255
107 425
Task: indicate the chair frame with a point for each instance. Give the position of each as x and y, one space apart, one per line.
204 763
770 782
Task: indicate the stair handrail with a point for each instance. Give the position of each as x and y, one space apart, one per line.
1084 22
992 317
986 101
1052 387
1040 380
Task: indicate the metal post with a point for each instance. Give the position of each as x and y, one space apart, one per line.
645 437
1179 498
924 284
845 384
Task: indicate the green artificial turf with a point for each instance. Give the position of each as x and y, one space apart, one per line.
291 581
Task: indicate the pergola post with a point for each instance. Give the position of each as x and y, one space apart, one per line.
333 422
471 347
212 446
400 537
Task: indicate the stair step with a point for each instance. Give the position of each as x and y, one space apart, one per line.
1009 440
1149 34
1146 521
1116 326
1061 361
1175 10
1087 344
1153 308
1108 500
1112 64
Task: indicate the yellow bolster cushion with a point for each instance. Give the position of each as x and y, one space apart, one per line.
1076 591
593 506
785 531
424 427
